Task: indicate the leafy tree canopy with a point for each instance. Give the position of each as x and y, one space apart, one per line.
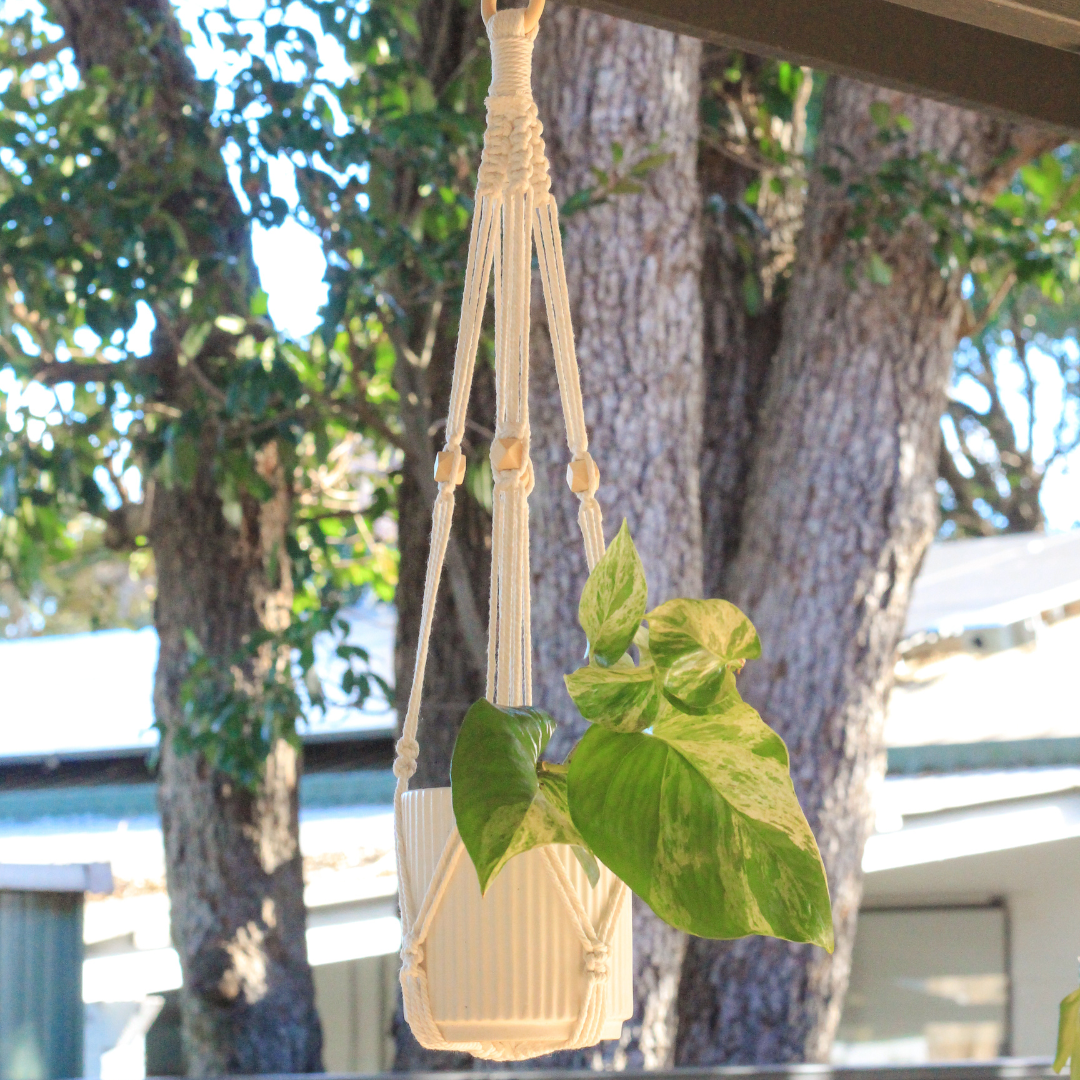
117 203
1014 413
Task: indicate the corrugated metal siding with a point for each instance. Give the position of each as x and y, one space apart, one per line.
41 1010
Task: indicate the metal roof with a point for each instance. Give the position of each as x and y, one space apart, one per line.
56 877
994 581
1017 58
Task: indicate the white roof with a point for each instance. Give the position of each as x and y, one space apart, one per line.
1023 693
994 581
79 692
1013 810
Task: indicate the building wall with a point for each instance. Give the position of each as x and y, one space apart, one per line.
41 1010
1045 948
356 1002
1040 888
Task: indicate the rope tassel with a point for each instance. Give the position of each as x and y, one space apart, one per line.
514 210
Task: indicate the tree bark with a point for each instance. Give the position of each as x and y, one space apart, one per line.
233 860
740 337
839 508
632 269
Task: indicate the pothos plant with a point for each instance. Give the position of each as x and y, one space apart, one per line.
1068 1040
677 785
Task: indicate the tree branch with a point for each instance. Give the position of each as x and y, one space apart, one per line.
46 53
71 371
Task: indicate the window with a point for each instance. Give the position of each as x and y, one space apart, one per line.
927 984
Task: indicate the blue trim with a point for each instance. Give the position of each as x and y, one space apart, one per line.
963 757
363 787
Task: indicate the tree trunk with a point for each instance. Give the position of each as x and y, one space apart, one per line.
232 857
233 860
632 269
839 508
741 335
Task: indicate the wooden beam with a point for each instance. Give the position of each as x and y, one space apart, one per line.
890 44
1050 22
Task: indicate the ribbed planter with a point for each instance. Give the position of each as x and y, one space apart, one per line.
510 967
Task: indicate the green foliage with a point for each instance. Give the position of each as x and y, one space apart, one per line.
622 178
1025 231
700 819
115 194
1068 1040
506 800
697 645
1018 251
678 785
623 697
234 718
613 600
759 122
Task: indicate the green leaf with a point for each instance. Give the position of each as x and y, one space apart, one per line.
613 600
700 819
693 643
878 270
623 697
552 779
503 802
1068 1040
881 114
650 163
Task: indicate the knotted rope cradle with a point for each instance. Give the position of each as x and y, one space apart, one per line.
514 209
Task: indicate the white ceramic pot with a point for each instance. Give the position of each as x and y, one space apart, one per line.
510 967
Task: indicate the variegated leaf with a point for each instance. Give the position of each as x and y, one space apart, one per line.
613 600
504 802
697 644
700 819
623 697
1068 1040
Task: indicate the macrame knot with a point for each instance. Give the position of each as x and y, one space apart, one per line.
412 956
541 177
496 156
511 466
406 751
512 479
511 54
596 960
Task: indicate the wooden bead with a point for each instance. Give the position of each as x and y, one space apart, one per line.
580 474
506 454
444 466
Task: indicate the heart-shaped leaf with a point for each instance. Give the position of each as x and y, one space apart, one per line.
695 643
623 697
613 600
504 802
700 819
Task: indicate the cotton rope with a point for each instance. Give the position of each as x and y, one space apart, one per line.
515 208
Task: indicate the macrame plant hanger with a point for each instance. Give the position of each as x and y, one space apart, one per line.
514 208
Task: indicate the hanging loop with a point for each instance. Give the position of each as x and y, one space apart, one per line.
532 12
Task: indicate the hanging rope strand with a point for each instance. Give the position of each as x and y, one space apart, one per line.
514 210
